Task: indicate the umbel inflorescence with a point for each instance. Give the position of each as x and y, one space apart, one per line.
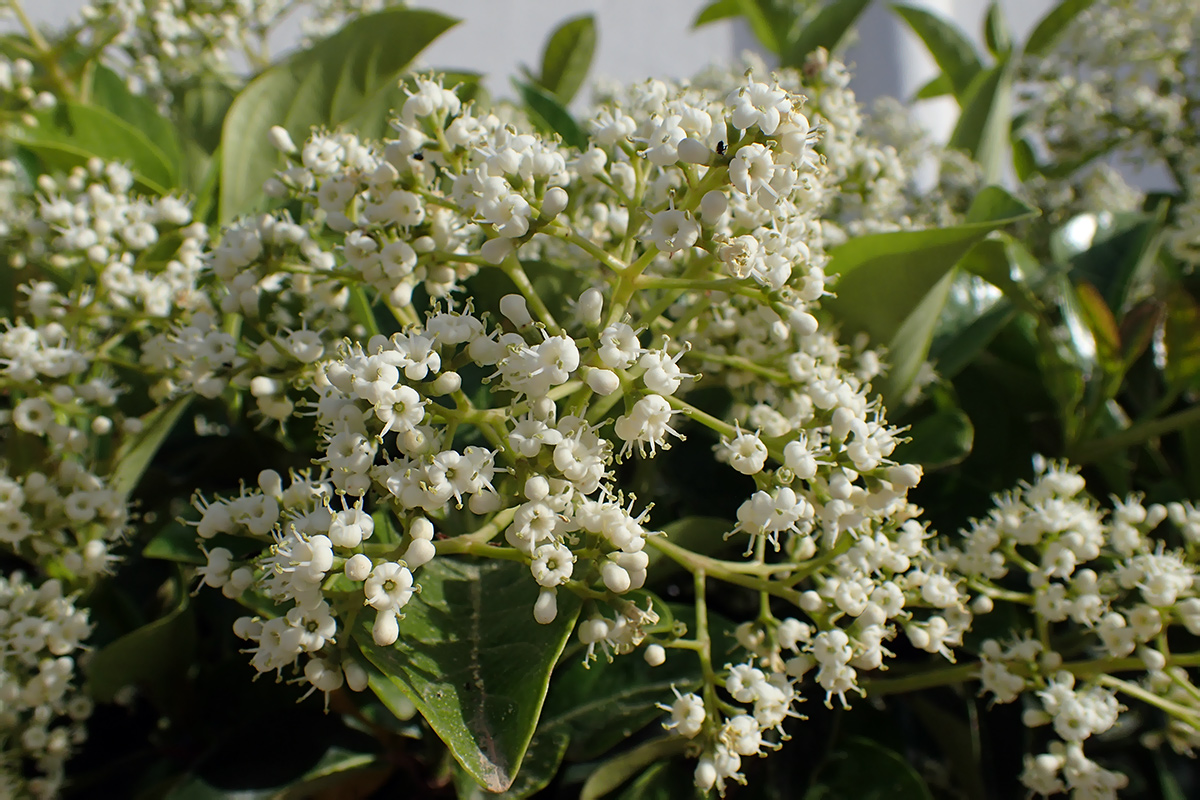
690 235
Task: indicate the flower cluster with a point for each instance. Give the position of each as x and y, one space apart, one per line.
42 710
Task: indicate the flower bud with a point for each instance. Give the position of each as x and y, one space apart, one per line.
591 305
281 140
603 381
513 306
419 553
713 206
386 629
615 577
447 383
692 151
356 676
555 202
545 609
655 655
358 567
496 250
421 528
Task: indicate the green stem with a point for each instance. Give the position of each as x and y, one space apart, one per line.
516 273
722 570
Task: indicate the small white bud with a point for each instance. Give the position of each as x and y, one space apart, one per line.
419 553
262 386
982 604
555 202
811 602
693 152
281 140
591 305
615 577
484 503
655 655
358 567
101 425
496 250
545 609
386 629
1154 660
447 383
356 676
537 488
421 528
513 306
713 206
603 381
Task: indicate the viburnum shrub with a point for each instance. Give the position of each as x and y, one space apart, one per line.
524 451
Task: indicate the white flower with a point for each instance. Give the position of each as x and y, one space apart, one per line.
389 588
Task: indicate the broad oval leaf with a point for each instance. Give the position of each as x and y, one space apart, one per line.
716 11
984 127
542 760
350 78
940 440
893 285
996 33
827 29
864 770
474 662
610 775
70 134
949 46
135 453
556 117
568 57
109 91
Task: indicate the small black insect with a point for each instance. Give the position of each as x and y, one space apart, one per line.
721 148
418 156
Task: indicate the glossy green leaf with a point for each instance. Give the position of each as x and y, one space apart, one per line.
151 657
950 47
351 78
110 92
136 452
893 285
1050 29
70 134
717 10
1110 250
600 706
1138 328
864 770
983 128
667 780
175 542
1100 321
474 662
996 33
938 441
937 87
568 57
555 116
542 760
610 775
827 29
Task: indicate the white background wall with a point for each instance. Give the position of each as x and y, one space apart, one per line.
644 38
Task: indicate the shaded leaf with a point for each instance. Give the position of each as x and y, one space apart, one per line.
983 127
1050 29
556 118
349 79
568 56
1100 322
938 441
610 775
949 45
766 29
864 770
718 10
109 91
703 535
892 285
137 451
474 662
542 760
827 29
1181 341
153 657
937 87
996 33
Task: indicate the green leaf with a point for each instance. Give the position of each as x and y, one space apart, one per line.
175 542
556 118
996 33
863 770
938 441
71 133
568 57
959 743
718 10
1100 321
474 662
827 30
893 285
542 760
765 29
600 706
610 775
703 535
937 87
136 452
984 126
1181 341
1051 28
110 92
152 657
666 780
1025 162
949 46
349 79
